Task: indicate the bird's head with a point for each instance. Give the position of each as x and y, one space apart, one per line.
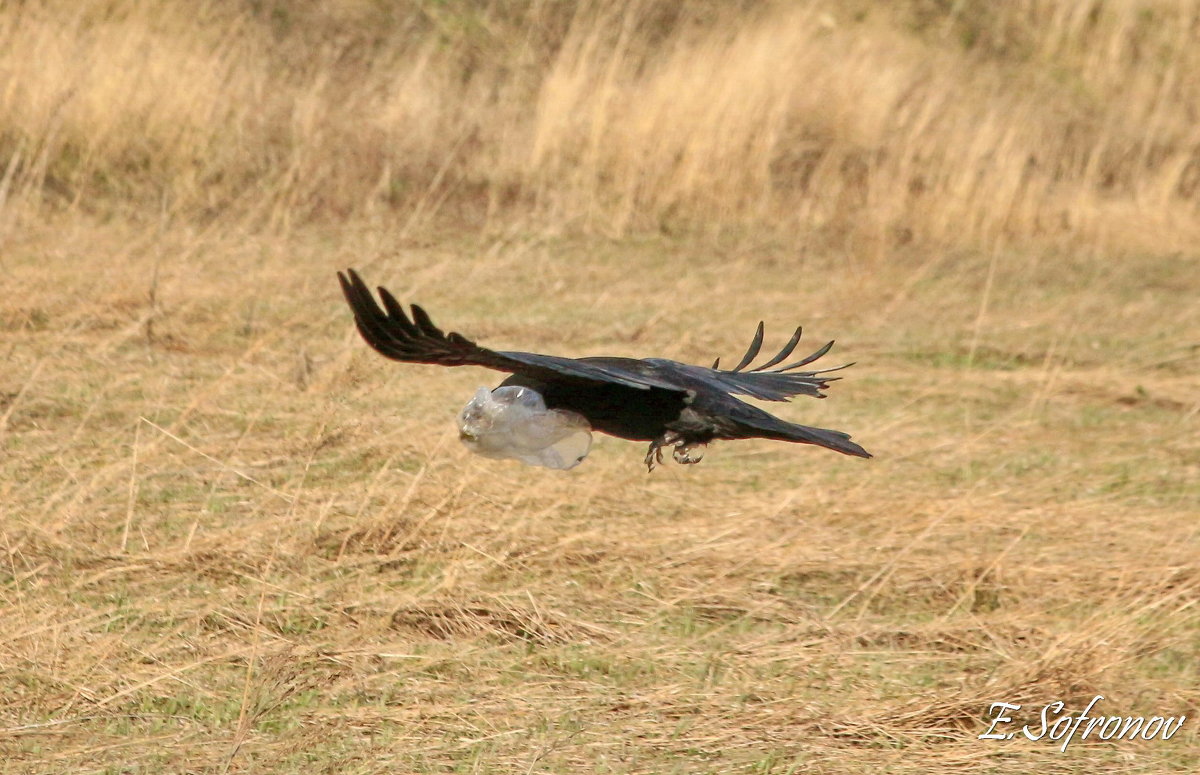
477 418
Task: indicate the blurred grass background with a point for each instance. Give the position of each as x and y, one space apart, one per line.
961 123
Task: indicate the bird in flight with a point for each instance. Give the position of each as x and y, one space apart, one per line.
663 402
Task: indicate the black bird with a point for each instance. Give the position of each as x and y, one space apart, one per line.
666 403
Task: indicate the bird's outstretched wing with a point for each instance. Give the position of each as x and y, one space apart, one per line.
772 384
417 340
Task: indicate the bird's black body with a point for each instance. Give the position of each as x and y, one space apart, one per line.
661 401
607 407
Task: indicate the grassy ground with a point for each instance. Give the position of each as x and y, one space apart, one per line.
236 540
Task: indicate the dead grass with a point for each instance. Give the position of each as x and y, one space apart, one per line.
235 540
875 126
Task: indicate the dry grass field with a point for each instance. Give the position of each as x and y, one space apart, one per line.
236 540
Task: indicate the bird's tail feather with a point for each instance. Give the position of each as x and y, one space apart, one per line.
770 427
822 437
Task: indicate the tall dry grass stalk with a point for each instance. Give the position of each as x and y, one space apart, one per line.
971 124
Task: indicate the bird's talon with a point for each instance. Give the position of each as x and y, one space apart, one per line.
688 454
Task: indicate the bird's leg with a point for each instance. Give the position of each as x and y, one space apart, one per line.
654 455
689 454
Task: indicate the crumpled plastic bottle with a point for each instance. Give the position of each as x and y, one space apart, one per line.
513 422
